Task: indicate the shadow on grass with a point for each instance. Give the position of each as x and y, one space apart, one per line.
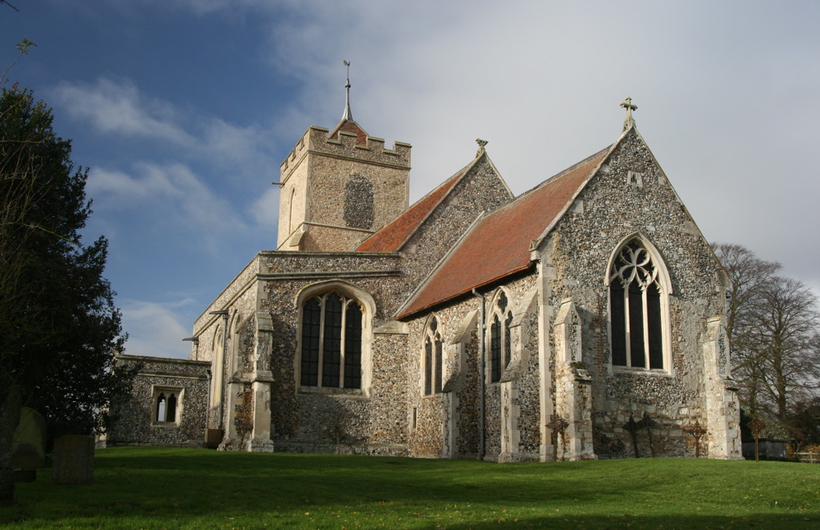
178 488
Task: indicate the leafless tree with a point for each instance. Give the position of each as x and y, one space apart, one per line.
783 338
748 274
773 324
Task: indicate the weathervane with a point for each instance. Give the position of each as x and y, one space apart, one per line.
347 115
627 104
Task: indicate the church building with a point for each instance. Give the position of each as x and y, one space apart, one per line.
583 319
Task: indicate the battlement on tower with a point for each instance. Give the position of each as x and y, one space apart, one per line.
346 146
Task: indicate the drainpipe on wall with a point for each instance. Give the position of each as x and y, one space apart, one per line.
224 313
482 366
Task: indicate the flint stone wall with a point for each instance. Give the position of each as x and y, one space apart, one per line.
135 426
610 209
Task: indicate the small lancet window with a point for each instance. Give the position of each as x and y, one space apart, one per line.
432 359
636 310
165 406
161 407
500 339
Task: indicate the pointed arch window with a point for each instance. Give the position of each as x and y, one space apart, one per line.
331 342
637 307
432 359
500 340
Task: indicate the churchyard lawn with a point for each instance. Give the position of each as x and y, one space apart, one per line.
162 488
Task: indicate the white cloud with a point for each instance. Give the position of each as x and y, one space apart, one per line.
119 107
265 210
167 195
727 104
231 144
724 94
155 329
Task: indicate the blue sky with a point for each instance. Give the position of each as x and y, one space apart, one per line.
184 109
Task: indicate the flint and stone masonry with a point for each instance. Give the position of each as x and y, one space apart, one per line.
583 319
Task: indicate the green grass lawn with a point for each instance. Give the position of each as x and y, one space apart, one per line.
157 488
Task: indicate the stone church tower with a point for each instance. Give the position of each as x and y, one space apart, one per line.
339 187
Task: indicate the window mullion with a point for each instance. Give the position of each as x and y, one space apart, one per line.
628 327
321 341
342 342
645 327
428 365
438 364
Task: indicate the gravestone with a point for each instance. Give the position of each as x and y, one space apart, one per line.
29 445
73 462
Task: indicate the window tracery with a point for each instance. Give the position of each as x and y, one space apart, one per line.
636 309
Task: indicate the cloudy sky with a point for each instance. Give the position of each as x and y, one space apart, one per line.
184 109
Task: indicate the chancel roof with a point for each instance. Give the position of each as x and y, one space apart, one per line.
499 244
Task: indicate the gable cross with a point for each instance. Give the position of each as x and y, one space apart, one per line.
627 104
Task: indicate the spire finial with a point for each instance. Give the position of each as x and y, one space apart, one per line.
347 115
627 104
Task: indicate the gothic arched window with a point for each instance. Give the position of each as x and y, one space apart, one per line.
500 340
432 359
636 301
331 342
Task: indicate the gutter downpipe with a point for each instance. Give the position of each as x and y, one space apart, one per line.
482 367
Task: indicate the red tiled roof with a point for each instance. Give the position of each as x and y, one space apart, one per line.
499 244
350 126
392 237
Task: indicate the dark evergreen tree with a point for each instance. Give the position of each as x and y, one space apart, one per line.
59 328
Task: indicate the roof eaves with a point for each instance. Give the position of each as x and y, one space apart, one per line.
415 311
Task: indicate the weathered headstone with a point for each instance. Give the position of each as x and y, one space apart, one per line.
29 445
73 462
213 437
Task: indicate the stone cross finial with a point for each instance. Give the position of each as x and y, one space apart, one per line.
627 104
481 144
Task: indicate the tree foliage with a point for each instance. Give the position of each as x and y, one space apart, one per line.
59 328
773 325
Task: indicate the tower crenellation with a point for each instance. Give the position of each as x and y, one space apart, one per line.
339 187
319 140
